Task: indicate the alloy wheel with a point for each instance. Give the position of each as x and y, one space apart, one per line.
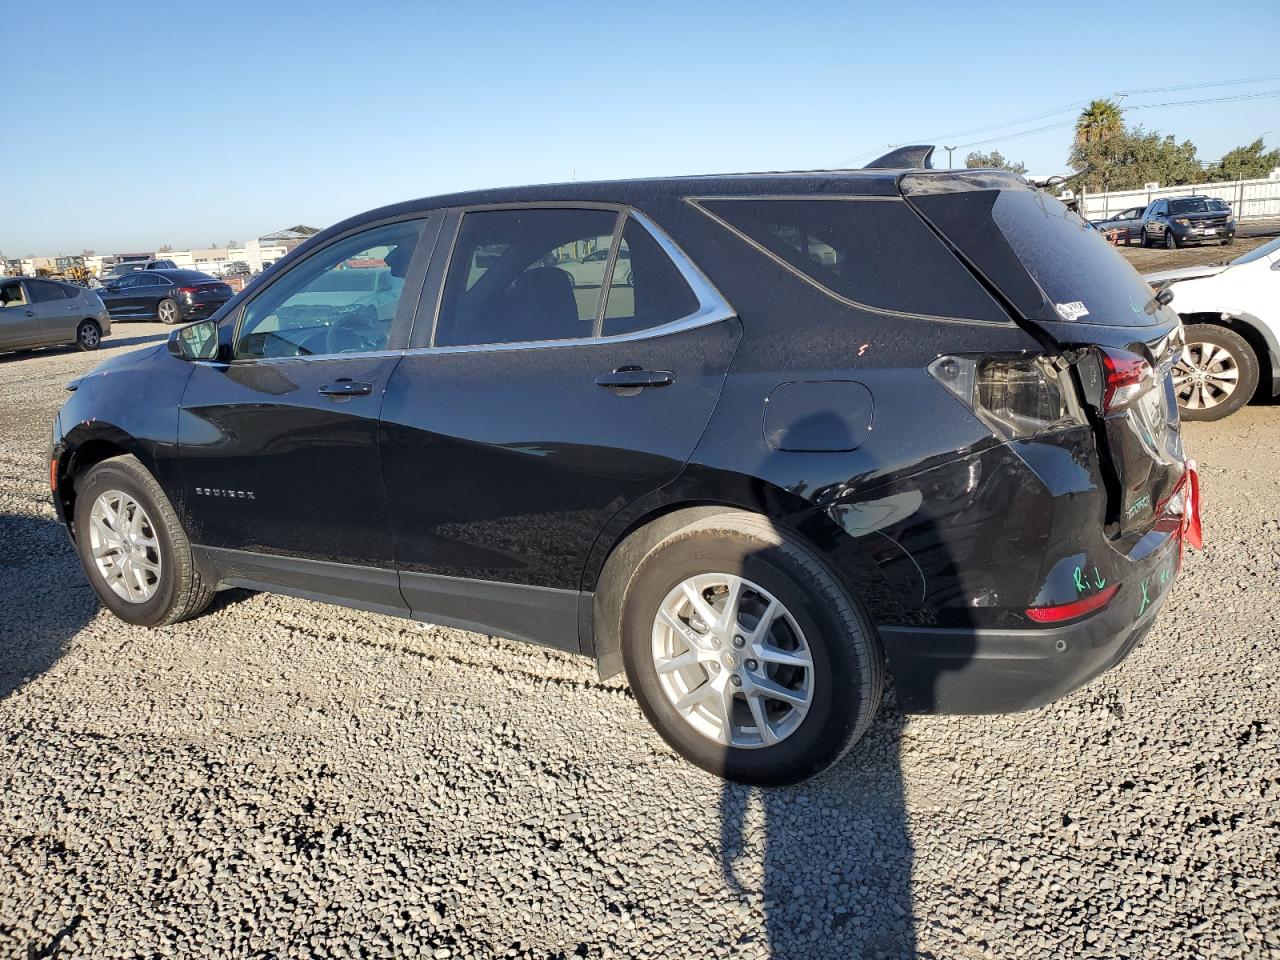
89 335
732 661
1205 375
125 546
168 311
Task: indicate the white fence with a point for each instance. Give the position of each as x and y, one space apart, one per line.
1249 199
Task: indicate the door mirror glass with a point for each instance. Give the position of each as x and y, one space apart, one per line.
196 342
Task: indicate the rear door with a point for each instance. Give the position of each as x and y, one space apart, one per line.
1078 294
279 439
19 326
536 402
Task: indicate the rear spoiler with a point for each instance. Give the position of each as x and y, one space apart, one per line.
917 157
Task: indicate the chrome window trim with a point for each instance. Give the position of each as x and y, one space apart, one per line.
697 204
712 306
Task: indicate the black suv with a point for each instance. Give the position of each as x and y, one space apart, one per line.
1183 220
835 427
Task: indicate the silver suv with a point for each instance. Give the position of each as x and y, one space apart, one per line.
46 313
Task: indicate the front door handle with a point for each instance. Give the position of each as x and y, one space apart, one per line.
30 313
625 378
343 387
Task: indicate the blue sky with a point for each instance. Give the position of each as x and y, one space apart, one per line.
189 124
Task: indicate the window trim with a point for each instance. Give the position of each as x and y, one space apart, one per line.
712 305
697 203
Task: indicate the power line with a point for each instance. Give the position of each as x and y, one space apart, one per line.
1198 86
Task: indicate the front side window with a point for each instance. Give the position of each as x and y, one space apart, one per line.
524 275
342 299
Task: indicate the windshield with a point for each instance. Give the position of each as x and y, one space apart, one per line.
1259 252
1187 206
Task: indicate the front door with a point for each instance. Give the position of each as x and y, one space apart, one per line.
278 440
546 401
19 324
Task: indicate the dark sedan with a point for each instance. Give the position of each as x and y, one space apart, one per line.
170 296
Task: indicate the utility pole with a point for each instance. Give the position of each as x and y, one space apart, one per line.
948 149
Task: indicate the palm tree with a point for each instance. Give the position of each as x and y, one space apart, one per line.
1099 121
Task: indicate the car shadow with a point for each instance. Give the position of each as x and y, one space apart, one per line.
109 343
45 599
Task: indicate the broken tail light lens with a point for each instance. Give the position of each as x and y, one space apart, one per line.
1017 395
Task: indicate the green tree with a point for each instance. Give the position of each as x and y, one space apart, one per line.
993 161
1253 162
1127 159
1098 122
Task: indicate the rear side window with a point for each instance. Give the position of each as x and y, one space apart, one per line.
877 253
525 275
42 291
647 289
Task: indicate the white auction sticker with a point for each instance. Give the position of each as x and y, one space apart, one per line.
1073 310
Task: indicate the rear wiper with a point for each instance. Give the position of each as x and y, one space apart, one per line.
1057 180
1163 297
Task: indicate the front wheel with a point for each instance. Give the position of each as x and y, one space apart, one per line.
88 335
1217 373
1146 240
1170 241
133 548
167 312
749 658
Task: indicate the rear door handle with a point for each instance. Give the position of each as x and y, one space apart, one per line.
631 377
343 387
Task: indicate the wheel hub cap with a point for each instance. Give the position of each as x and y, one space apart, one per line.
732 661
1205 375
125 546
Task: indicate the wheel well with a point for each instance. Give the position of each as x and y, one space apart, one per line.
1251 335
73 467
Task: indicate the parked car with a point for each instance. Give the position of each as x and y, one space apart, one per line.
133 266
1231 314
679 478
170 296
1182 220
47 313
236 268
1127 224
589 271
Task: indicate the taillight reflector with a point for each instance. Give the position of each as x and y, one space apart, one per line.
1074 610
53 475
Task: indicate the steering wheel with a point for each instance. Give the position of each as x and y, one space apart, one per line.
350 333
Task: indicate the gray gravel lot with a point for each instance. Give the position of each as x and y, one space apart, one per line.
281 778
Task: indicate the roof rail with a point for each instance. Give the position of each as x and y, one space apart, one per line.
916 157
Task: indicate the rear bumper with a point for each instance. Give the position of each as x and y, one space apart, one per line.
974 671
198 311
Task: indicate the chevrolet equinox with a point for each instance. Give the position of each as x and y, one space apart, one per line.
761 441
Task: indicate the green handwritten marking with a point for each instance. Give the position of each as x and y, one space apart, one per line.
1081 586
1164 575
1146 601
1098 581
1143 501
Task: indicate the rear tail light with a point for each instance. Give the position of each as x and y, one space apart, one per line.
1017 396
1062 612
1128 376
189 291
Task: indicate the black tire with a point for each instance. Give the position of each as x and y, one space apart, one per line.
181 593
167 312
1246 363
848 665
1146 240
1170 241
88 335
1228 241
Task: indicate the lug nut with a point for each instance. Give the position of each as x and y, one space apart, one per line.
752 665
739 641
736 680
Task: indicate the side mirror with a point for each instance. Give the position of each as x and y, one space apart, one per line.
199 341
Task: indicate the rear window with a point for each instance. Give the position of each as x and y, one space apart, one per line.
873 252
1040 254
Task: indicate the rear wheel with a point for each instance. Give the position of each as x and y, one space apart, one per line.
88 335
748 657
1217 373
133 549
167 312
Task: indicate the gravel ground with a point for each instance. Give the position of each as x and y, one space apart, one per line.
286 779
1150 259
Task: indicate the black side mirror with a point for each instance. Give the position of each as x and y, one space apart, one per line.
199 341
